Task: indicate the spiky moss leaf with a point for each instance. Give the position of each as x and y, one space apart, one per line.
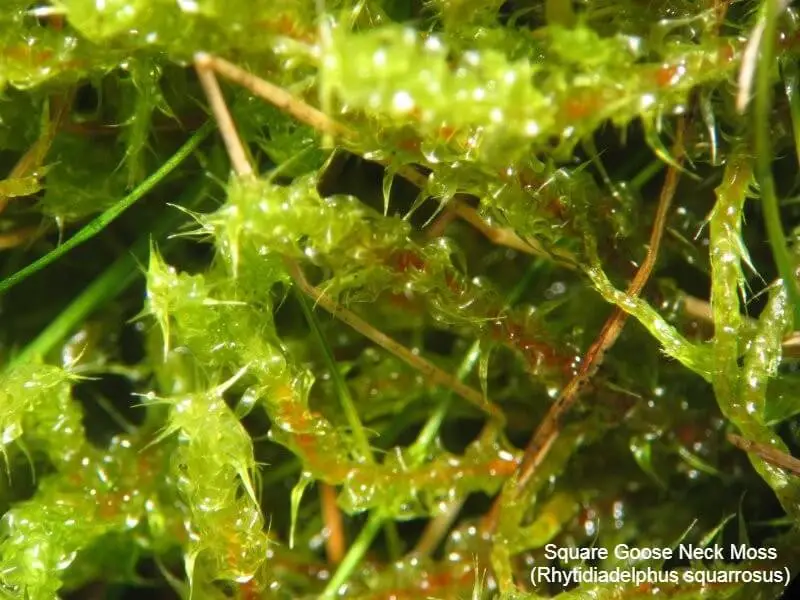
291 146
98 492
457 14
369 255
142 17
760 365
380 73
741 392
549 206
553 515
37 409
727 279
781 403
409 489
512 532
181 27
114 17
418 577
213 467
293 220
219 320
479 106
103 37
146 100
205 317
32 54
214 463
21 186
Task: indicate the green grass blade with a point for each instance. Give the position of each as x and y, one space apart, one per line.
345 398
105 218
764 154
121 274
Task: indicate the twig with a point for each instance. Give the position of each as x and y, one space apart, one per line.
434 374
206 64
720 9
270 92
438 527
219 108
698 309
550 427
505 236
767 453
439 225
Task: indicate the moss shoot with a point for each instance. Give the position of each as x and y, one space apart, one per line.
388 299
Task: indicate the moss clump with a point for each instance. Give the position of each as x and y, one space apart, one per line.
487 277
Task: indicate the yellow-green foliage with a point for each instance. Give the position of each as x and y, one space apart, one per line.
177 417
36 401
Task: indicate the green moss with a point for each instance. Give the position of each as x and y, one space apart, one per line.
170 397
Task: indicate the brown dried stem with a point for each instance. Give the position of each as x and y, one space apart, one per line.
284 100
300 110
767 453
550 427
505 236
233 143
433 373
437 528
